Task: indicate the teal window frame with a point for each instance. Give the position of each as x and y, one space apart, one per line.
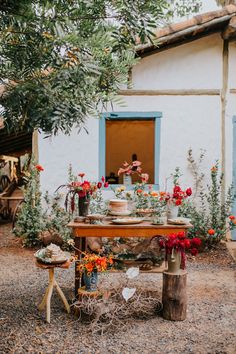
130 116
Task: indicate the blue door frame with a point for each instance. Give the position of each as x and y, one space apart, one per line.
129 115
233 235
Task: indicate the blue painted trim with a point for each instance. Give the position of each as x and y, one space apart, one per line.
102 146
130 116
233 234
157 149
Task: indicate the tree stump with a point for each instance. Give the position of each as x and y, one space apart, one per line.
174 296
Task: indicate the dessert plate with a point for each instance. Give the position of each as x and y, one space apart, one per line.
178 221
127 221
120 213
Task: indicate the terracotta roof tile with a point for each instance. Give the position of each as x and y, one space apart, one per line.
195 25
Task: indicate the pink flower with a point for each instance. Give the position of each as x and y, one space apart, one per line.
103 179
106 184
136 163
144 177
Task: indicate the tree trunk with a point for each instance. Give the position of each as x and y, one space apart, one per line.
174 296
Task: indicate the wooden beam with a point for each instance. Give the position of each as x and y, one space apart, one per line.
225 69
232 90
171 92
35 148
230 31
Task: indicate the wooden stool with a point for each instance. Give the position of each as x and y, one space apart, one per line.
46 301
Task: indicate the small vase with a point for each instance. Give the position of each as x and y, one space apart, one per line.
172 211
90 280
174 261
127 179
83 206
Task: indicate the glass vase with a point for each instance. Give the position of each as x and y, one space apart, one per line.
83 206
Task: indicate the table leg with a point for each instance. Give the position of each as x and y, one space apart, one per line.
49 294
80 243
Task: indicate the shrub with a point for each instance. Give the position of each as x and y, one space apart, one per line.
209 212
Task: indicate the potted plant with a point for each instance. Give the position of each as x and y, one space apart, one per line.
89 267
128 169
175 246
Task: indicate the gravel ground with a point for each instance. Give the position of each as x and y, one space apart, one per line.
209 327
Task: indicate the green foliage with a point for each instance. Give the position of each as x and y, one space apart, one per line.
210 211
60 60
57 218
30 222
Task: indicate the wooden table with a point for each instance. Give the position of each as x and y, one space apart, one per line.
108 229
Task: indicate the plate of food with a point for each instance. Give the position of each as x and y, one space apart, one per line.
178 221
127 221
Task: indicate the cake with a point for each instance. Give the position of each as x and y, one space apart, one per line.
55 253
118 206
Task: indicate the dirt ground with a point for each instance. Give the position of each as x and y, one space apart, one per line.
209 327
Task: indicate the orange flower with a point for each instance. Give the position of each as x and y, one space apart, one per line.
214 169
231 217
154 194
211 232
234 222
81 175
145 194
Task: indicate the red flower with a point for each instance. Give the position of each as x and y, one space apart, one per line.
177 189
194 251
99 185
86 185
139 191
106 184
81 175
39 168
178 202
181 234
211 232
188 192
231 217
196 241
103 179
187 243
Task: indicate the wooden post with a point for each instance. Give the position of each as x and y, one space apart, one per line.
174 296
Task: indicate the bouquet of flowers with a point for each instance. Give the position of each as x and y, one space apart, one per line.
80 189
178 242
94 263
133 167
178 195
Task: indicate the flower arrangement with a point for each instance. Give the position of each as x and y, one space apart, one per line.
133 167
178 242
94 263
81 189
178 195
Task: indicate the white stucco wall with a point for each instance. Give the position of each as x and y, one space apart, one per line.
80 150
188 121
194 65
